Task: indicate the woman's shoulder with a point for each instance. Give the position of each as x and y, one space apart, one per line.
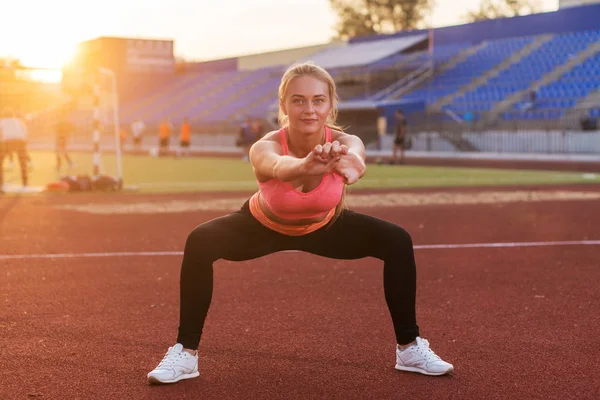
337 135
272 136
269 142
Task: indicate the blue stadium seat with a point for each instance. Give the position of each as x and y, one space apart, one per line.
218 96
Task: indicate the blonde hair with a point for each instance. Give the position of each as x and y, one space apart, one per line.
311 69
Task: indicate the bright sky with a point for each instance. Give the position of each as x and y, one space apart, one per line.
44 33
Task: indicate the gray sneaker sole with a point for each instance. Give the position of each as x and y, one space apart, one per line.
422 371
155 381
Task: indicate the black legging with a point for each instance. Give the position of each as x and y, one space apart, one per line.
239 236
14 146
61 149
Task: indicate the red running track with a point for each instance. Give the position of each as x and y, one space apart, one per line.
517 323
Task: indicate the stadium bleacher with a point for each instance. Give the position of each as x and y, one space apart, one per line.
565 92
452 79
523 74
490 56
458 65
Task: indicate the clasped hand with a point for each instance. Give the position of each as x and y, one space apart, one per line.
333 156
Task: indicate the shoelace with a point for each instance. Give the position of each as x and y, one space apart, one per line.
426 352
170 359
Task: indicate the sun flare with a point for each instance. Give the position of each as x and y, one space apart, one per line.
43 63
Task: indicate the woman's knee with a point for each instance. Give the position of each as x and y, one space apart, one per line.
398 239
403 237
197 240
210 239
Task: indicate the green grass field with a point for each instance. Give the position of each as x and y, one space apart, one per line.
152 175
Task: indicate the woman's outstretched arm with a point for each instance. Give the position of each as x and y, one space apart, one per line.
269 163
351 166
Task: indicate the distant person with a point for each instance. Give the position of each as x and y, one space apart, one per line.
469 117
399 138
275 122
164 133
381 130
588 122
122 137
137 129
11 161
13 138
64 129
246 138
531 102
185 138
533 97
258 130
11 154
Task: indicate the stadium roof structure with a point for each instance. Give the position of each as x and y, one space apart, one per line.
372 104
359 54
357 105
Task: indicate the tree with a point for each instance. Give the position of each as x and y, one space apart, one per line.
491 9
366 17
10 63
9 67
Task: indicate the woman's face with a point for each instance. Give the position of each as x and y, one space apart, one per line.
307 104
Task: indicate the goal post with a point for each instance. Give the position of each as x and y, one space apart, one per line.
114 98
97 92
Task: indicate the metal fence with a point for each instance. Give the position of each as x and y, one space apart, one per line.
430 131
514 120
574 132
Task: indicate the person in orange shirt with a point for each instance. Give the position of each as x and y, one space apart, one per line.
122 137
64 128
164 133
185 138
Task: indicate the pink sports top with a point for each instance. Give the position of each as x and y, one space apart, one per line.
286 202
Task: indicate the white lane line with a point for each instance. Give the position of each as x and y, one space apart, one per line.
91 255
417 247
515 244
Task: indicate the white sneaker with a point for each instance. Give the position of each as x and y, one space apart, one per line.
175 366
420 358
